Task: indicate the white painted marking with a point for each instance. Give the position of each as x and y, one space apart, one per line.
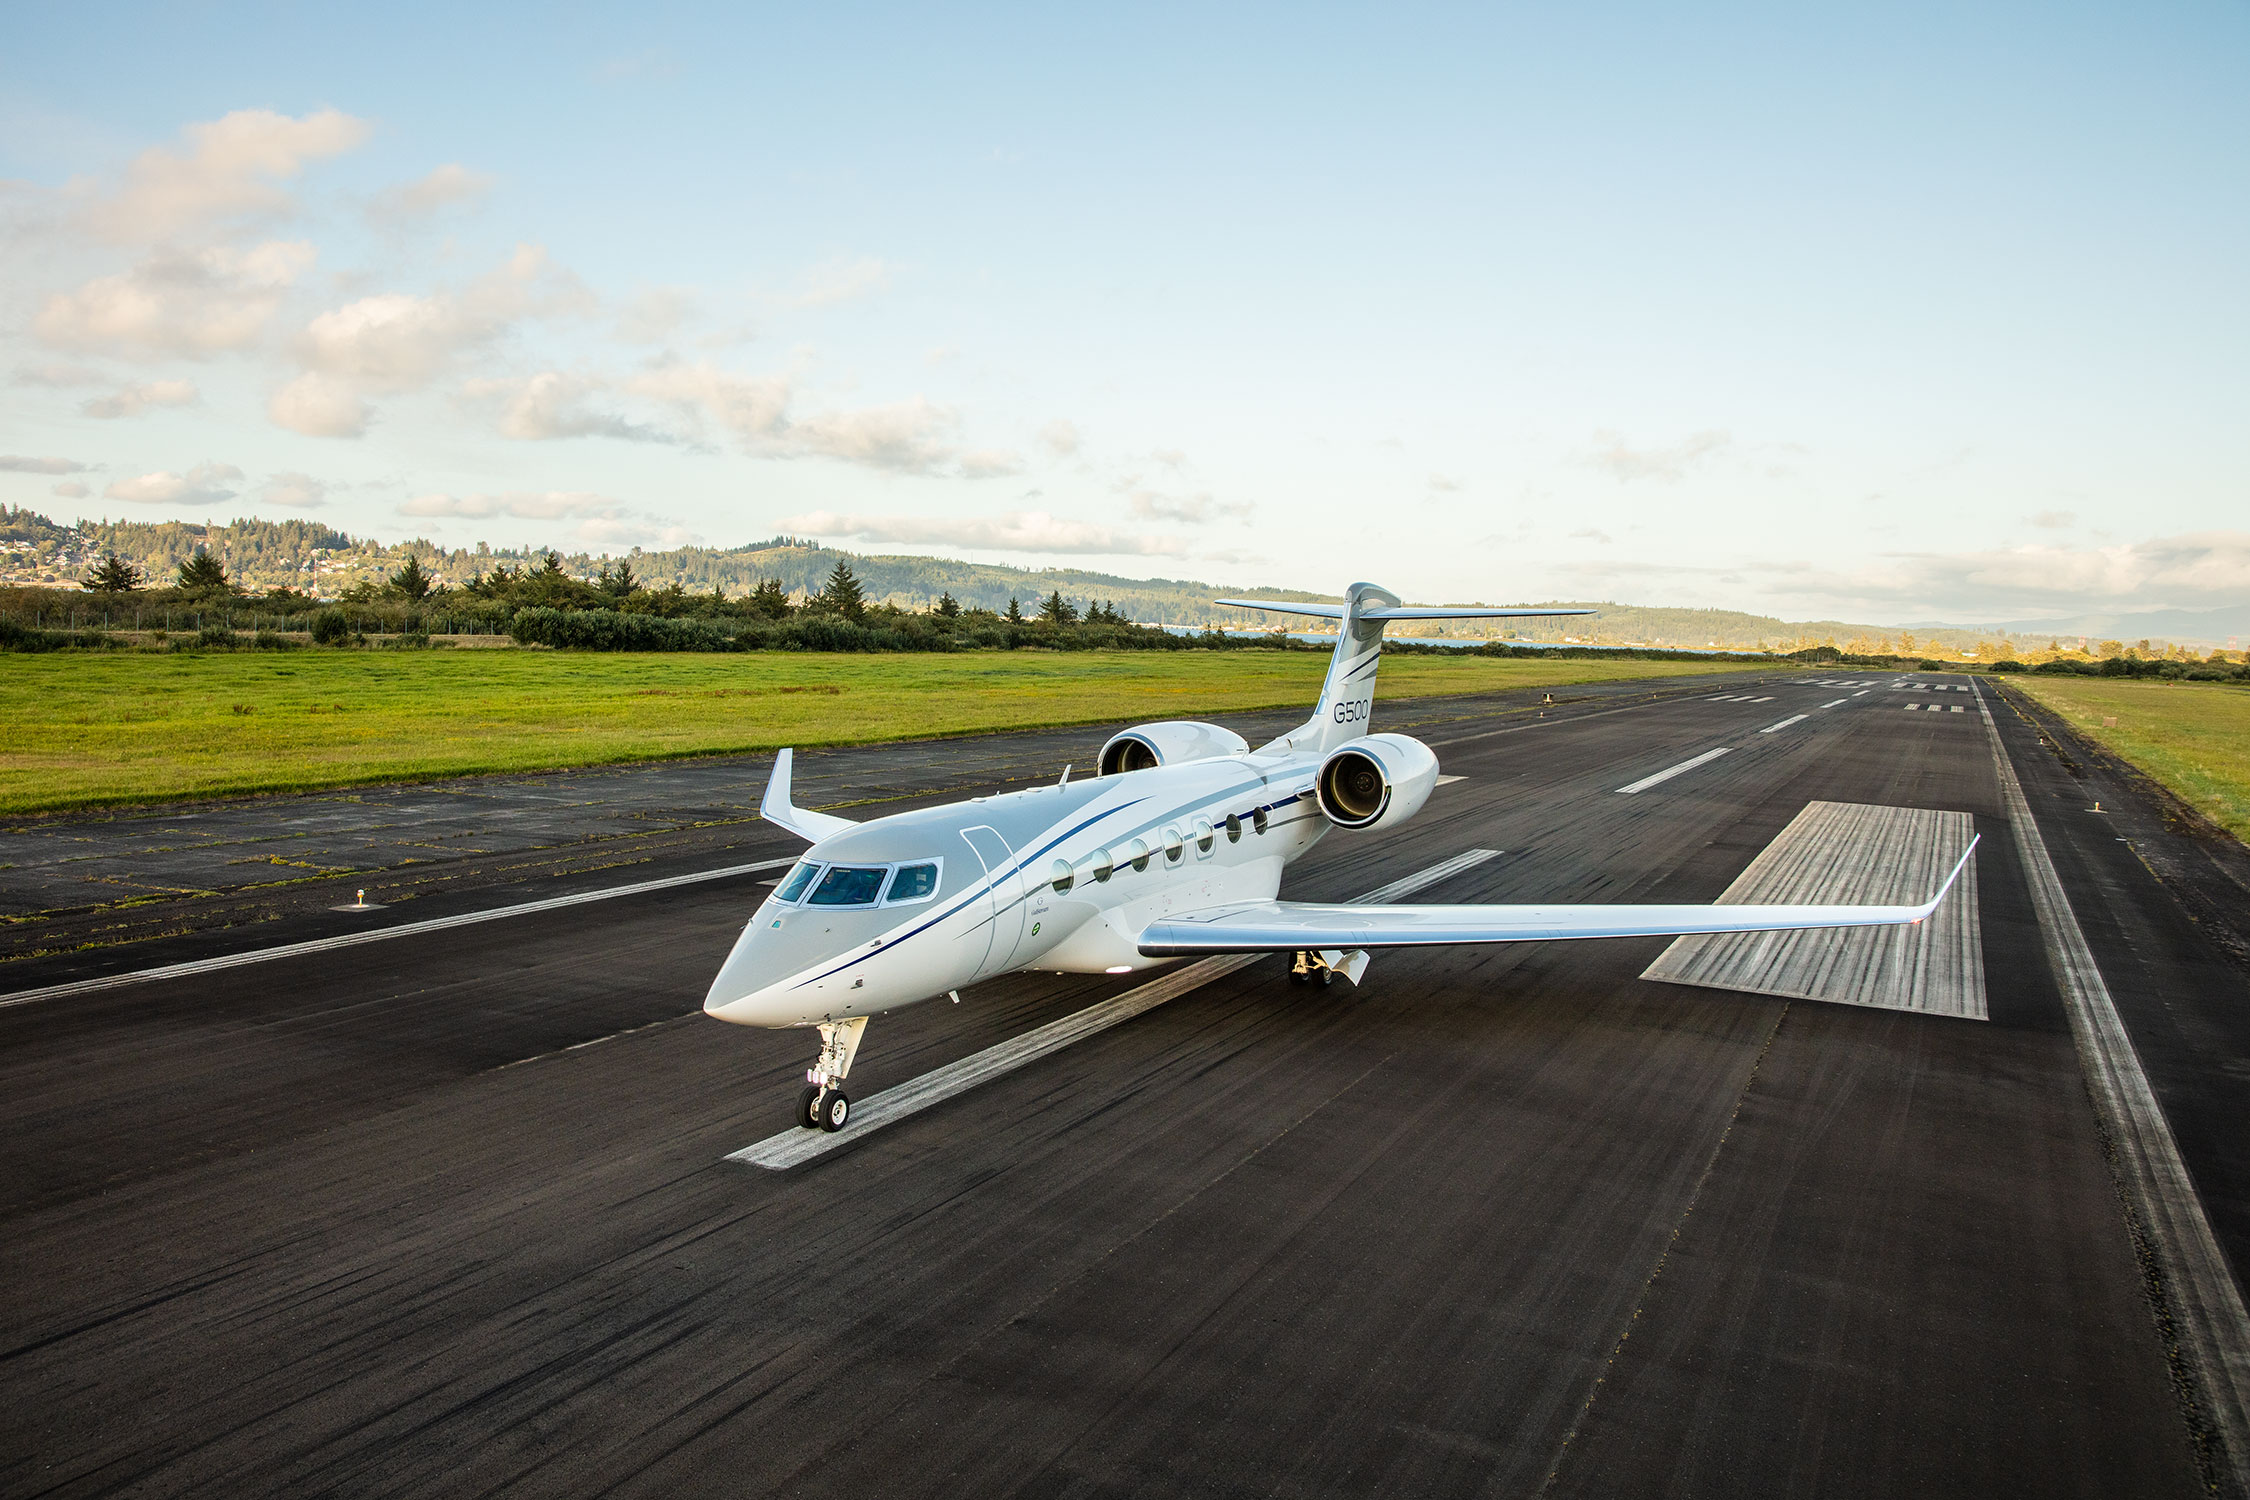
1860 694
1954 707
1669 772
1784 724
1449 780
797 1146
1767 699
1832 705
378 935
2208 1317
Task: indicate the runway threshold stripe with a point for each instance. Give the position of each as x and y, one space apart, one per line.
1784 724
1669 772
2208 1318
377 935
795 1147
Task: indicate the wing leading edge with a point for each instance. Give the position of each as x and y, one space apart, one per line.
1395 612
1286 926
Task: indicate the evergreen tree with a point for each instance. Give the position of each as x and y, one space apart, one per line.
842 593
113 576
1015 610
203 574
770 601
947 607
551 566
409 582
1056 610
620 584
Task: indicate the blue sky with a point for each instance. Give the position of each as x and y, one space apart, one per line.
1893 314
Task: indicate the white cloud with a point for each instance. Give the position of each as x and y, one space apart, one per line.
905 436
294 491
71 489
319 406
654 315
18 463
135 399
549 405
1591 534
753 408
2054 520
201 485
444 187
600 520
1060 437
1444 484
990 463
1624 462
1194 510
229 171
192 303
839 281
58 375
1012 531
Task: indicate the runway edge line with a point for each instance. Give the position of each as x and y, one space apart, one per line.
795 1147
2210 1323
377 935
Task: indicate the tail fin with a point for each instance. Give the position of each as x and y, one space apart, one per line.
1347 699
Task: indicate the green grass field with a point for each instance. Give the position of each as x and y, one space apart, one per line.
78 731
2194 737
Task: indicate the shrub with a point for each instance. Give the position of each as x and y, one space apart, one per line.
330 628
216 635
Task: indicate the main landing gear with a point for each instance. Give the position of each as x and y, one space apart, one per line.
823 1105
1321 965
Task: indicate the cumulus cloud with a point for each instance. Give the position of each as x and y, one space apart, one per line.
58 375
320 406
1591 534
1060 437
753 408
294 491
990 463
135 399
2054 520
202 485
71 489
185 303
443 188
1193 510
1624 462
18 463
598 519
551 405
653 316
906 436
1011 531
230 169
839 281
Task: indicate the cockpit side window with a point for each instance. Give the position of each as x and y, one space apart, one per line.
849 885
913 883
800 880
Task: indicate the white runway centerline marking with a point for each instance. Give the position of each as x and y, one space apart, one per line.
1832 705
1784 724
1669 772
377 935
795 1147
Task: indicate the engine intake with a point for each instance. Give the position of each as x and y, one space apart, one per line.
1376 782
1170 743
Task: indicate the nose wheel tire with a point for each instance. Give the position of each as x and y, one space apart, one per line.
806 1116
834 1110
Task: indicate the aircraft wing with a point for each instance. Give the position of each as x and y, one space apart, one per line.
777 809
1336 611
1286 926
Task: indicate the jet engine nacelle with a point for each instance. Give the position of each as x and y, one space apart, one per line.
1378 781
1168 744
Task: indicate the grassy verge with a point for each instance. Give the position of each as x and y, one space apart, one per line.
86 730
2194 737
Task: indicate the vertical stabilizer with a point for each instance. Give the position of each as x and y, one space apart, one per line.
1347 699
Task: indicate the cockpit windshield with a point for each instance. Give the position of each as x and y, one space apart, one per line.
849 885
793 889
913 883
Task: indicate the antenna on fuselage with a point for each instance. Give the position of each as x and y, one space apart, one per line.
1065 777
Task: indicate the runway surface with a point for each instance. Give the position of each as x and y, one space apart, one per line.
451 1213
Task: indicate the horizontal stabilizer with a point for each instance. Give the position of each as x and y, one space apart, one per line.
776 809
1285 926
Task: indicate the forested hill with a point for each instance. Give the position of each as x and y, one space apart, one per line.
263 554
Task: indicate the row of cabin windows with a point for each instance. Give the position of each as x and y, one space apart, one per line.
860 885
1104 863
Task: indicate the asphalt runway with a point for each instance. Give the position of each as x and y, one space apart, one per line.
450 1214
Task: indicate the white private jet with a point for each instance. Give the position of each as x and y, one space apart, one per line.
1174 849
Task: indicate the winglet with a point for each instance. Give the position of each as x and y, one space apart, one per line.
1959 865
776 808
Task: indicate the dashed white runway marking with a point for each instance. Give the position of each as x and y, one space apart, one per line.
1784 724
1832 705
795 1147
377 935
1669 772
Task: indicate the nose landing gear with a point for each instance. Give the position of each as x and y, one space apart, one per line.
823 1105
